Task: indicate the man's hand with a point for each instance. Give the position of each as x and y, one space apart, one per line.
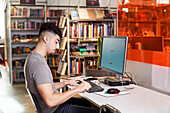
73 82
84 86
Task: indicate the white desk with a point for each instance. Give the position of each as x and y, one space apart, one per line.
140 100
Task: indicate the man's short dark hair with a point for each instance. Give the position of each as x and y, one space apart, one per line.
50 27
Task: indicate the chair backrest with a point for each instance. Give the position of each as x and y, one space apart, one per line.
108 109
34 101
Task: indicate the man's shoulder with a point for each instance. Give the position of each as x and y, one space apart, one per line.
35 61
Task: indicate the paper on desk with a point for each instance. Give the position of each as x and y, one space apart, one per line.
103 93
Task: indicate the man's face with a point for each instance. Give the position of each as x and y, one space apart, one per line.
53 44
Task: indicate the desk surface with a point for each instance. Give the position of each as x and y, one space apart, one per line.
140 100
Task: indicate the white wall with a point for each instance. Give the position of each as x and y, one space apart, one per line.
151 76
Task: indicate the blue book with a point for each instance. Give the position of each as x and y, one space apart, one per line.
74 14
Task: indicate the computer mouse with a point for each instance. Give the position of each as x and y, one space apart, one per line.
78 81
113 91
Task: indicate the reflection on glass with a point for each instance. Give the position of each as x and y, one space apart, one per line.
147 24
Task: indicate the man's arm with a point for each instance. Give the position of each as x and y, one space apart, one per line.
53 99
59 85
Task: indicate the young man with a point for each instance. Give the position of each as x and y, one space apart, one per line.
39 79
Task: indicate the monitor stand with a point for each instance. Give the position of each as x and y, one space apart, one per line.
115 82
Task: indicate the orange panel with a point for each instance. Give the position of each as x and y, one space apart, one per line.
151 57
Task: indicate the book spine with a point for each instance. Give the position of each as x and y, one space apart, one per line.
85 31
71 67
79 67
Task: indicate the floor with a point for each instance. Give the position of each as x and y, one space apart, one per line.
13 98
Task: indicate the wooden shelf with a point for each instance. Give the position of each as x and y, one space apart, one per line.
18 67
24 42
31 17
30 5
92 20
83 40
25 30
72 76
83 56
19 56
19 81
81 6
168 39
144 36
53 66
138 21
53 17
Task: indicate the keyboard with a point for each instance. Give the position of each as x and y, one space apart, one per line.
94 88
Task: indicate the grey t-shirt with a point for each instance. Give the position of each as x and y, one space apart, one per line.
37 72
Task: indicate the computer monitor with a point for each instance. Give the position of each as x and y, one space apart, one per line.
113 54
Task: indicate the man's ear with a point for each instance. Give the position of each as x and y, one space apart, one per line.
46 39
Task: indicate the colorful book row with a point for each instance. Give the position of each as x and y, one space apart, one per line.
25 25
22 50
54 13
18 75
27 12
52 61
24 38
77 66
18 63
88 30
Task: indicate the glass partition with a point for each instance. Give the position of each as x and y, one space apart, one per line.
147 24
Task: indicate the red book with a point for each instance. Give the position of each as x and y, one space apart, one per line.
79 67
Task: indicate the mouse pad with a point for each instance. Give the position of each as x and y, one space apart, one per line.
103 93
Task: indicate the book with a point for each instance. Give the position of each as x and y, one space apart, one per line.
63 22
99 14
83 14
64 31
82 50
91 13
60 21
63 43
62 54
74 14
60 66
63 71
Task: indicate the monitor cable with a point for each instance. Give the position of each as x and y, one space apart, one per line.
132 82
131 73
127 88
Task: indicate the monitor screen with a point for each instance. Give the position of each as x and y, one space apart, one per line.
113 54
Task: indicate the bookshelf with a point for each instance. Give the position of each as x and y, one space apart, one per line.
53 14
25 22
84 33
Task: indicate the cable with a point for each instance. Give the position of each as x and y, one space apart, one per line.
129 76
128 88
132 75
